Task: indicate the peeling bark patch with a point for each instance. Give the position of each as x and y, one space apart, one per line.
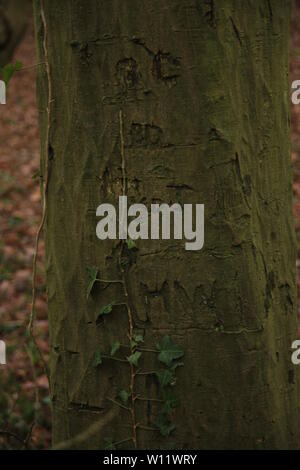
127 73
86 49
141 42
165 68
145 135
164 65
214 134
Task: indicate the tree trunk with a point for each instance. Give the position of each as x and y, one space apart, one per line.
170 101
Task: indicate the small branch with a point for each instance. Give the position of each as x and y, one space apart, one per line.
118 404
147 428
114 358
87 434
29 434
28 67
150 372
109 281
147 350
11 434
148 399
122 442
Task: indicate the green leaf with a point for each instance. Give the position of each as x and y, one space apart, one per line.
165 377
124 395
168 351
109 444
138 338
115 347
106 309
97 359
164 425
134 358
8 71
130 243
93 272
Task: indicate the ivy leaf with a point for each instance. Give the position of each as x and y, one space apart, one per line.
124 395
115 347
133 344
168 351
93 272
8 71
97 359
134 358
164 425
130 243
106 309
108 444
165 377
138 338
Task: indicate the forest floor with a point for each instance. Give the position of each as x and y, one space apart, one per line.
24 396
295 132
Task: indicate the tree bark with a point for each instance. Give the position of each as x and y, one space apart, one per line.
190 101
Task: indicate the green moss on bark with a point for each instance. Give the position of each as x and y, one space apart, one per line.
204 92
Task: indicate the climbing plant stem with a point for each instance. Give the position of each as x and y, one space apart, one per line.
44 194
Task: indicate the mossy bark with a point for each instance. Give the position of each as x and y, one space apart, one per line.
204 93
